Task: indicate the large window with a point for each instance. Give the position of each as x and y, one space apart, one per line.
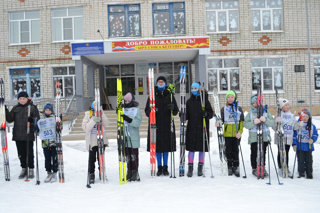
124 21
316 62
24 27
168 18
222 16
67 24
25 79
267 73
266 15
66 77
223 74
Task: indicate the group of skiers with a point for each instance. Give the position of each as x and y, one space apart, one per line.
301 134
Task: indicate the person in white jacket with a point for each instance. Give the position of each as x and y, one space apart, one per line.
89 125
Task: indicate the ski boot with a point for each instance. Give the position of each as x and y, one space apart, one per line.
236 171
165 170
31 173
254 172
54 177
129 175
92 178
135 176
23 173
190 170
159 172
48 178
200 168
230 171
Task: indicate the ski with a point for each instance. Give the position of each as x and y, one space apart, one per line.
152 122
171 90
120 136
102 172
221 142
3 132
281 142
260 153
37 161
183 126
58 134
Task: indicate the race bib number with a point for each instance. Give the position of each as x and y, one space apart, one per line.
47 128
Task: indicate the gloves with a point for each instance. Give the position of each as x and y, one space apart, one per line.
256 121
97 119
170 107
294 148
263 119
35 128
58 119
204 114
301 123
238 135
310 141
126 118
31 120
278 119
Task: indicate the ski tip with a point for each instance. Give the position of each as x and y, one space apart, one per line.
268 183
244 176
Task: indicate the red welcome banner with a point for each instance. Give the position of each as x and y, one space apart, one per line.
160 44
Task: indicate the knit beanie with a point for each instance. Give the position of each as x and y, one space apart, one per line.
48 106
92 105
282 102
231 92
23 94
253 99
195 84
308 113
128 97
162 78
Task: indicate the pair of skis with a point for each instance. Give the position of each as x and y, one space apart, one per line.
3 132
120 135
183 123
58 134
260 151
152 122
281 142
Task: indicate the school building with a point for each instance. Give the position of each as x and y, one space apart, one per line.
226 44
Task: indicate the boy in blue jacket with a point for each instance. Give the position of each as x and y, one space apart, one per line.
304 145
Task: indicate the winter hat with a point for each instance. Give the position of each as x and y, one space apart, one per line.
92 105
308 113
128 97
23 94
48 106
162 78
195 84
253 99
282 102
231 92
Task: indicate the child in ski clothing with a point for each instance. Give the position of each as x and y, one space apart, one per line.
250 122
47 131
165 143
132 120
304 145
89 125
194 136
289 124
232 118
24 141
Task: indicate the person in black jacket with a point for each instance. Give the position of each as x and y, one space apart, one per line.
164 142
19 115
194 134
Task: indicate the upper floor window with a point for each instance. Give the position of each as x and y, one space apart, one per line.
168 18
66 76
67 24
222 16
25 79
267 73
124 20
223 74
24 27
316 62
266 15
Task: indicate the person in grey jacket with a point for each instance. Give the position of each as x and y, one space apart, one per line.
132 121
19 115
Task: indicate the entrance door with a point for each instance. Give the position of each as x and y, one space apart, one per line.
142 90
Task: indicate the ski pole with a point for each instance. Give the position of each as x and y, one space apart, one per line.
244 168
88 176
37 164
269 165
275 166
28 132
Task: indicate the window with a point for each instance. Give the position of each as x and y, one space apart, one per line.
66 76
67 24
168 18
26 79
223 74
24 27
124 21
267 73
266 15
316 62
222 16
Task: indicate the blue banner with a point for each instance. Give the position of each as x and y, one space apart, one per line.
88 48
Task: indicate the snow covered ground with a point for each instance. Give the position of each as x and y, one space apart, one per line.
160 194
